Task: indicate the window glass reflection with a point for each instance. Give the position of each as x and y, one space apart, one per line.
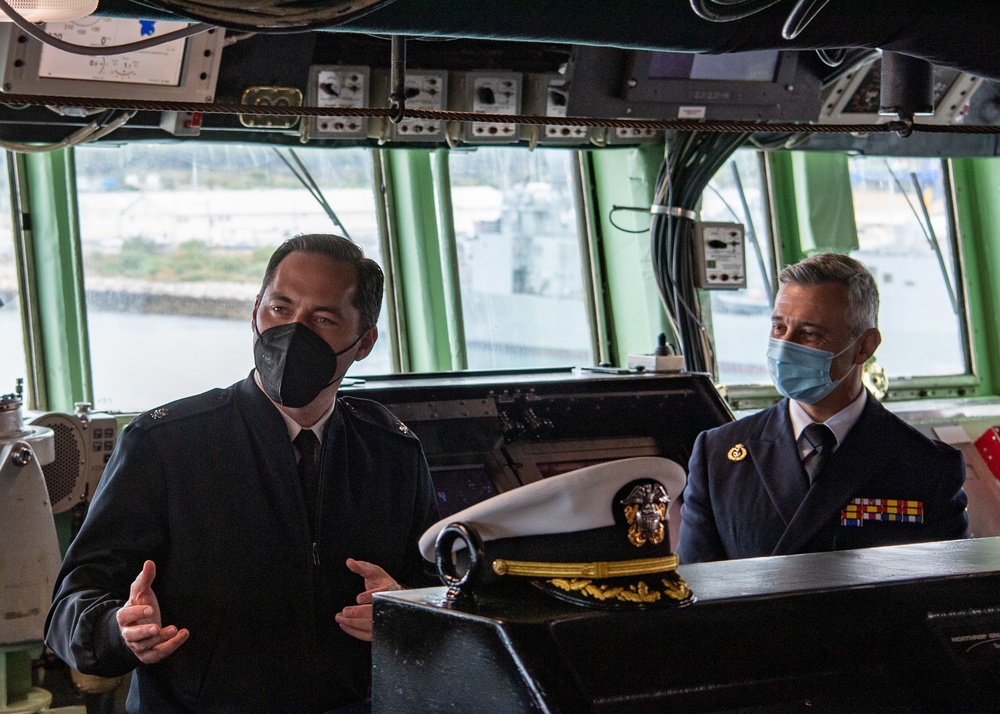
519 258
913 261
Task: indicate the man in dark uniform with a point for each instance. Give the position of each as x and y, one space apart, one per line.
827 468
233 546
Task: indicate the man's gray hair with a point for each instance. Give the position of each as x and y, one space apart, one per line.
862 293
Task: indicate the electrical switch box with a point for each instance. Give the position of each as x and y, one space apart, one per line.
632 135
720 256
490 93
424 89
547 95
339 87
181 123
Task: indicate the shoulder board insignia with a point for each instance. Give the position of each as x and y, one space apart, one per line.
186 407
737 453
374 413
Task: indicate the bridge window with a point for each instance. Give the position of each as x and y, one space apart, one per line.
12 359
175 239
892 214
904 236
519 258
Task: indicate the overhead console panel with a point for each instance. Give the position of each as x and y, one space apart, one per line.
854 98
760 86
344 71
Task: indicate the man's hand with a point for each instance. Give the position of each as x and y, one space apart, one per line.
356 620
140 625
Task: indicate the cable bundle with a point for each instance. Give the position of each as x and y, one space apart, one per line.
798 19
92 131
692 160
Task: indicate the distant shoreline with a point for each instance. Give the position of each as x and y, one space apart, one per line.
191 299
168 304
229 301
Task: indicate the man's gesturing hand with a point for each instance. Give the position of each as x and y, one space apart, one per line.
140 624
356 620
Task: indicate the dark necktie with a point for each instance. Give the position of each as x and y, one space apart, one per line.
307 445
823 443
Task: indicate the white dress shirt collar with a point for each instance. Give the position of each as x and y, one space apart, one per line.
840 423
317 428
293 426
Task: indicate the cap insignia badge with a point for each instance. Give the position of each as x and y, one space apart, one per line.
737 453
158 413
646 512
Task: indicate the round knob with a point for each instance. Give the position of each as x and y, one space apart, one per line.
21 454
510 428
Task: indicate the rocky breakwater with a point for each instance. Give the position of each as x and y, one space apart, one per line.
224 300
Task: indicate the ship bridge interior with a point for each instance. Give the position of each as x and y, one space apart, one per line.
506 161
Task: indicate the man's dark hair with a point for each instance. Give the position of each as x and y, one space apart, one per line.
367 298
862 293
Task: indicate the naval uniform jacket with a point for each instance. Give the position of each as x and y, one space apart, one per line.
207 488
747 494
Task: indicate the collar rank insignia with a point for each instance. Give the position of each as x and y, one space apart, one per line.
737 453
646 513
896 510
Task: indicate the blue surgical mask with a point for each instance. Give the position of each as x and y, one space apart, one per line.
802 373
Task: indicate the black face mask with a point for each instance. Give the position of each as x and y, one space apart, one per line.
294 363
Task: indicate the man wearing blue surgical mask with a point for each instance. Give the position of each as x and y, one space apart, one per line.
827 468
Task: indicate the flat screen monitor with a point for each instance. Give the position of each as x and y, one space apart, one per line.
744 67
766 85
458 487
